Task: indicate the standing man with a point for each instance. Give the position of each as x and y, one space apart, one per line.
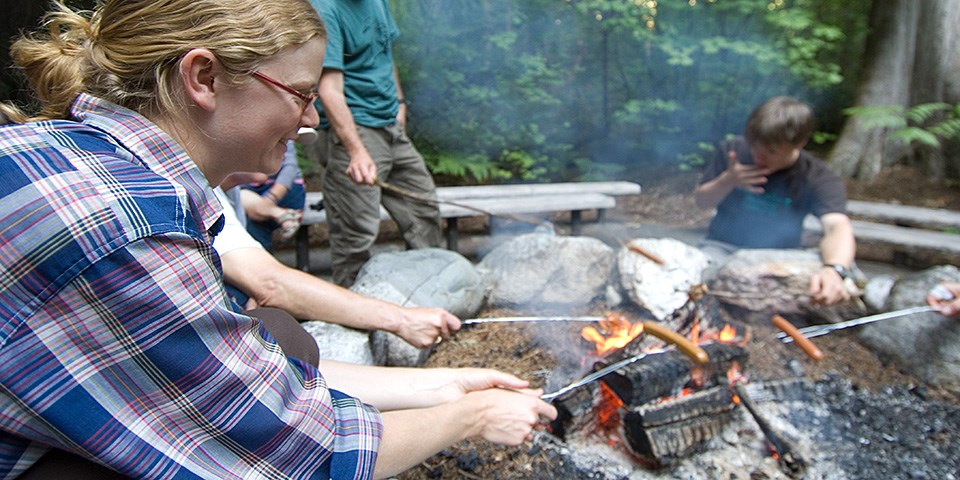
365 114
763 185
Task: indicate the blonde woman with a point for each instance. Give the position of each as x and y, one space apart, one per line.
119 354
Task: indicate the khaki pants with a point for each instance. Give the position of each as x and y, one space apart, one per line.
353 211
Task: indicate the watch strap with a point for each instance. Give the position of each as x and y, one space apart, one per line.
840 269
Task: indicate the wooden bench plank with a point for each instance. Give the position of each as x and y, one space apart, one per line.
903 215
497 205
455 193
527 204
483 206
614 188
901 245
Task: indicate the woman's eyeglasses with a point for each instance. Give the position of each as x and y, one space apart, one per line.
305 99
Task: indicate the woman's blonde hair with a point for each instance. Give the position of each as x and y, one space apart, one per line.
128 51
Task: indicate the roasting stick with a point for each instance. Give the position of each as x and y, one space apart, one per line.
478 321
818 330
435 201
600 373
653 328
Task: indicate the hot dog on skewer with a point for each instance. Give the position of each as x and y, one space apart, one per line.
686 346
803 342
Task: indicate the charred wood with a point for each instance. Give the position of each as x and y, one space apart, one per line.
574 410
787 455
663 432
664 375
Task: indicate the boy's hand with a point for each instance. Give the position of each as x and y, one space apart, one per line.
748 177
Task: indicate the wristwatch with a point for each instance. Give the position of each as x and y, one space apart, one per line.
840 269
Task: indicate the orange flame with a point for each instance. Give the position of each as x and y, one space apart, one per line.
728 334
610 403
615 332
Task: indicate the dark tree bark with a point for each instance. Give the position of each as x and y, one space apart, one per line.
909 56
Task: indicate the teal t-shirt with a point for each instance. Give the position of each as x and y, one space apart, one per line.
360 36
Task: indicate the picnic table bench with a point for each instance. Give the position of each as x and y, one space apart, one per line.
483 200
900 234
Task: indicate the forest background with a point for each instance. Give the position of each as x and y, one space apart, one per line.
577 90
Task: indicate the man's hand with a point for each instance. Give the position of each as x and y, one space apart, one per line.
423 327
827 287
748 177
362 169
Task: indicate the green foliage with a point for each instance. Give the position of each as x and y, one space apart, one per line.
823 138
475 167
926 124
527 89
697 159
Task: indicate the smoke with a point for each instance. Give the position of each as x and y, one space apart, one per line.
586 94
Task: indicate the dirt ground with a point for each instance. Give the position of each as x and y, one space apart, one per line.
516 349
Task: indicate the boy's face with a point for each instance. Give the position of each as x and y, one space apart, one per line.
775 157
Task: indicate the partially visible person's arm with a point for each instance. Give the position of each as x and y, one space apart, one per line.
500 416
272 284
362 169
456 403
838 247
259 208
751 178
946 298
401 98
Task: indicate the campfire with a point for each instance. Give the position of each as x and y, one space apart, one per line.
667 403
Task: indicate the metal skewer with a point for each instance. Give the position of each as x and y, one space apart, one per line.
475 321
600 373
818 330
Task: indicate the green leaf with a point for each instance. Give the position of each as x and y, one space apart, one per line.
914 134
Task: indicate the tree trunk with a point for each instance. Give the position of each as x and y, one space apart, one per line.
935 37
910 60
860 152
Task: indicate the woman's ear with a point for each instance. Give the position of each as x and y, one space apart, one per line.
199 69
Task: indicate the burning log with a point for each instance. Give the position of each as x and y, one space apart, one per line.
662 432
665 374
574 410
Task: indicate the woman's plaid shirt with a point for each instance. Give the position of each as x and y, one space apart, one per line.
116 342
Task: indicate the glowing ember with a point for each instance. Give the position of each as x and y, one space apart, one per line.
615 332
683 393
608 410
695 333
734 375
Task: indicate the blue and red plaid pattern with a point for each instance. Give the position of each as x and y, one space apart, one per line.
116 341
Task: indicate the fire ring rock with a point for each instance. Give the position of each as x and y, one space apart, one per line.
761 282
542 269
657 273
429 277
925 344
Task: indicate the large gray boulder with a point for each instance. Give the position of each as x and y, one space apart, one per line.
763 282
926 344
542 269
341 343
430 277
